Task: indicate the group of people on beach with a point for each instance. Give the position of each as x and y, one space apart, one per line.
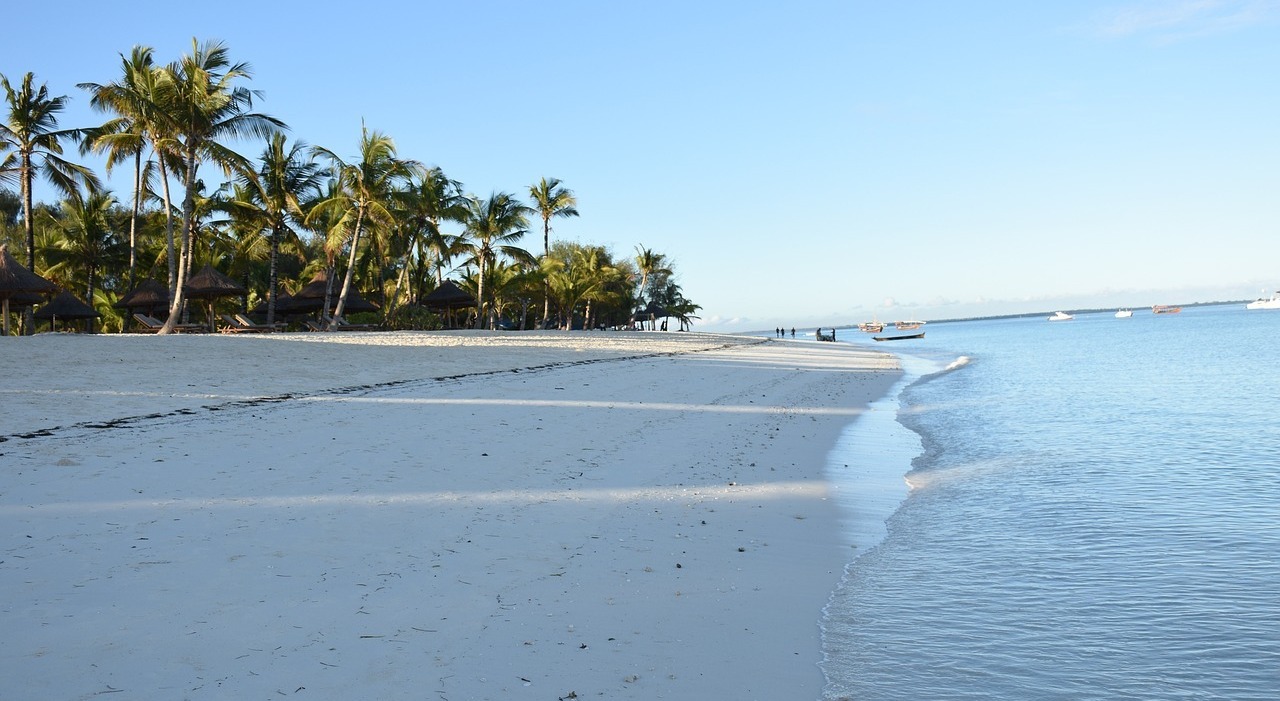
782 333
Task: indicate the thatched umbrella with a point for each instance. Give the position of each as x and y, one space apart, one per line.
148 297
65 306
448 296
18 282
209 284
22 300
651 313
355 303
311 297
285 305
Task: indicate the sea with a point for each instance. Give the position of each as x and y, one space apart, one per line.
1085 509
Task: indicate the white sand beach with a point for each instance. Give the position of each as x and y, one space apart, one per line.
449 515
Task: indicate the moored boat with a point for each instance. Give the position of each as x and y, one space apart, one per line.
918 334
901 331
1061 316
1264 303
1124 313
871 326
1164 309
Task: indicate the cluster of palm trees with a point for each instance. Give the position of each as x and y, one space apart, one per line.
377 221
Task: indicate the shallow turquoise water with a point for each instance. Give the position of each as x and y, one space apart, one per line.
1095 515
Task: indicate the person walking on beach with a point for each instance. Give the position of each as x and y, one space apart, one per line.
793 332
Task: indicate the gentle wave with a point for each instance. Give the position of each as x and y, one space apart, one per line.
1092 515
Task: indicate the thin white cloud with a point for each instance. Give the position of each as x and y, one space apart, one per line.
1179 19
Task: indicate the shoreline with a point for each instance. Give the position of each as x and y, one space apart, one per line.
630 515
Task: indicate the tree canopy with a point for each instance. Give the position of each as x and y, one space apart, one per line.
379 227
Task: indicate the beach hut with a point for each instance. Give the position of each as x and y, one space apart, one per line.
17 284
209 284
651 314
448 297
148 297
67 307
310 298
285 305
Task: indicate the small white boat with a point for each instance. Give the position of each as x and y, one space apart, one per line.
1124 313
1264 303
1061 316
871 326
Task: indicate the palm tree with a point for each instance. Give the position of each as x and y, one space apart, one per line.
237 240
578 274
330 230
429 200
652 266
597 273
511 284
492 227
363 196
551 199
126 136
672 299
200 98
274 197
31 134
85 243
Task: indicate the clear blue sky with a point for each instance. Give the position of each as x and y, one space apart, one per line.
804 163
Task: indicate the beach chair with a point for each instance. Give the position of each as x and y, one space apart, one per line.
231 324
152 325
149 324
250 323
240 323
341 325
344 325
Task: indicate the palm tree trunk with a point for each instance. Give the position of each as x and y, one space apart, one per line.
133 219
168 229
546 285
480 295
272 281
351 272
90 299
401 282
329 270
188 222
644 278
28 223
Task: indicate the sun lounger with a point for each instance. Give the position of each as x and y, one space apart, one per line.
277 326
240 323
342 325
152 325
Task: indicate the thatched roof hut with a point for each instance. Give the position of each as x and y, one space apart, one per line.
18 282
